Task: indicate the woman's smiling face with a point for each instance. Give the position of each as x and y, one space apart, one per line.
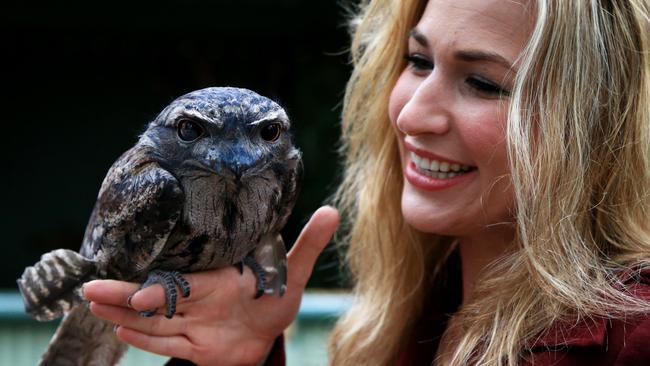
449 110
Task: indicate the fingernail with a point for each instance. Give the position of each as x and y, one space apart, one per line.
128 301
83 294
115 328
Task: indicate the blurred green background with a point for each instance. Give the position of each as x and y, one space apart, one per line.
80 81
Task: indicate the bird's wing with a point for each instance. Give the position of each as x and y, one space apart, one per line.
137 208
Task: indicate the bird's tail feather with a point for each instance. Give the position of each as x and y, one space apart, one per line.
82 339
52 286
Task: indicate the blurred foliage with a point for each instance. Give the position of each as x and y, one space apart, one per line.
81 81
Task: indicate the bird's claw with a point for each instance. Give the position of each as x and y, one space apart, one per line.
258 271
169 280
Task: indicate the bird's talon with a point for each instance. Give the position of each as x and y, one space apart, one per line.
259 272
181 282
169 281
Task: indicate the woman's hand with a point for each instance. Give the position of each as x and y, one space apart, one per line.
220 323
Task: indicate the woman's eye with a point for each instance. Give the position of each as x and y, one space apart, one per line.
487 87
189 131
418 62
271 132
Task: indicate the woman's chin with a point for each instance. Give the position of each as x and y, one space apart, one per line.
429 223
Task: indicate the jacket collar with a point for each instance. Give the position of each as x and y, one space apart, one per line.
589 332
592 332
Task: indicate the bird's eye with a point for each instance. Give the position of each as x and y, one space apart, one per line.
271 132
189 131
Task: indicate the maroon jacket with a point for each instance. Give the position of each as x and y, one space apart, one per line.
597 342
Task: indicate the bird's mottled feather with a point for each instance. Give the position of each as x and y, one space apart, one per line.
137 207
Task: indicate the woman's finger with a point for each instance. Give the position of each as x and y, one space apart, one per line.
157 324
173 346
109 291
120 293
311 242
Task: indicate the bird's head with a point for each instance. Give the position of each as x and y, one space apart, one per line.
230 132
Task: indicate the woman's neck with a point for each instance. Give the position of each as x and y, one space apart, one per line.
478 251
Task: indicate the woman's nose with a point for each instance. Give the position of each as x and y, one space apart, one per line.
427 110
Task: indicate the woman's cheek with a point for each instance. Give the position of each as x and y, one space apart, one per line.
486 138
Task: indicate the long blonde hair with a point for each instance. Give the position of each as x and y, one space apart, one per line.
579 151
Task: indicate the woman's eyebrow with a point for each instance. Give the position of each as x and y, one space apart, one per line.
419 37
466 55
478 55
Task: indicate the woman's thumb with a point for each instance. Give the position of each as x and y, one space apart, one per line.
311 242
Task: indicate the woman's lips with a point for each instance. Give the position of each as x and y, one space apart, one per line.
420 179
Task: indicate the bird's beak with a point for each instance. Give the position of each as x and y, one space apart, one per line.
236 159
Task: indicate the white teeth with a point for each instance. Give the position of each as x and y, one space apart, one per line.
438 169
435 165
425 162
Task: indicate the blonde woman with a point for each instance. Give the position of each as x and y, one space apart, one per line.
497 189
